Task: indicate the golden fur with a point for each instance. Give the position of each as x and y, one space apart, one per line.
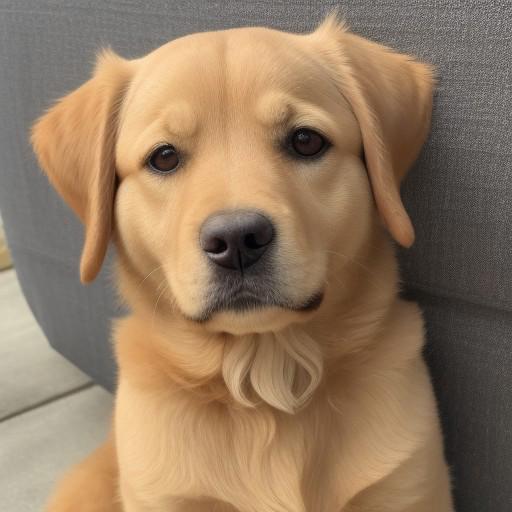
272 409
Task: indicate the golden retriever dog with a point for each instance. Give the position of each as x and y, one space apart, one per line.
249 180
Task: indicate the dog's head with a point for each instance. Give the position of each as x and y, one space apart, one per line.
234 166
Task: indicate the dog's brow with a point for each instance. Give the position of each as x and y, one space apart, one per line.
275 109
278 110
180 120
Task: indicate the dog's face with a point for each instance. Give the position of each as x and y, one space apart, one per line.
240 171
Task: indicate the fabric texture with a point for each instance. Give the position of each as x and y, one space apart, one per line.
458 193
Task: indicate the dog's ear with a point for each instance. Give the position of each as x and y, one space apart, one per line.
75 145
391 96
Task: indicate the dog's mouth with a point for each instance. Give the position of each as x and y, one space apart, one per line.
247 295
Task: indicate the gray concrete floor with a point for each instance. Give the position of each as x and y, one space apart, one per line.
51 414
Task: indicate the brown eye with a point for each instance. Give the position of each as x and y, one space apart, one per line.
307 143
164 159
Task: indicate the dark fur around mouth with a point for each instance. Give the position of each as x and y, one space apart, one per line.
240 294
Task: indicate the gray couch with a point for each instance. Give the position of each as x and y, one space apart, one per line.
459 194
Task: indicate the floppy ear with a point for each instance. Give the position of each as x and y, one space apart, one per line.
75 143
391 96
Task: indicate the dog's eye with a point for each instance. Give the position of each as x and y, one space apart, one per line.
307 143
164 159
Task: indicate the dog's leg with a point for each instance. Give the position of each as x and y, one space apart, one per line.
90 486
421 484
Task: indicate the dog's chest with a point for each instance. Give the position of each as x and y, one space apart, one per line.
255 459
169 449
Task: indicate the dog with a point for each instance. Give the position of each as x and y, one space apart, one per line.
249 180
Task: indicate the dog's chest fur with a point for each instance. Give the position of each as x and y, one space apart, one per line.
171 445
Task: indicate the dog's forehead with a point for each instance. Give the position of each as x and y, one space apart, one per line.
225 68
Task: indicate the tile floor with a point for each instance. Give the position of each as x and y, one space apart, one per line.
51 414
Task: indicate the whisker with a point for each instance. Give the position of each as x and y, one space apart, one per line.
164 288
376 281
152 272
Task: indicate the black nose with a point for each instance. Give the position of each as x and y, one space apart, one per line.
236 239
